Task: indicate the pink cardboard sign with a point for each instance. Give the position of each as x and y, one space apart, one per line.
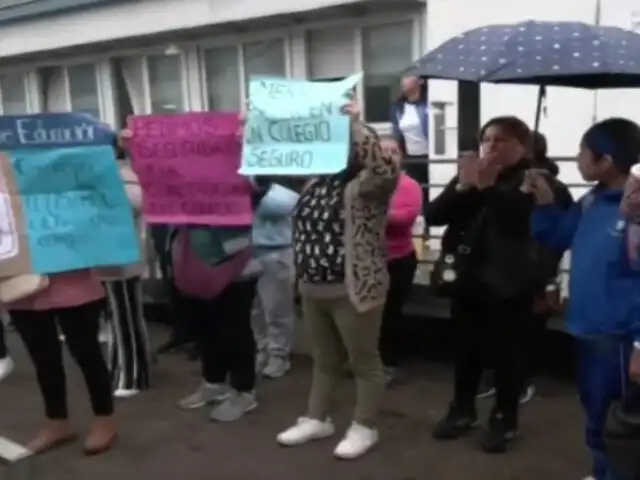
187 166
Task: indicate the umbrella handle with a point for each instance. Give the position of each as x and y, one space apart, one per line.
542 93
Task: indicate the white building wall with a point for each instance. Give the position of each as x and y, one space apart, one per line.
112 84
130 19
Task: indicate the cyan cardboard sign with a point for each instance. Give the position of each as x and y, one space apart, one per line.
296 127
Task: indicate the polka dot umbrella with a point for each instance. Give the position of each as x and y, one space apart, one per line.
570 54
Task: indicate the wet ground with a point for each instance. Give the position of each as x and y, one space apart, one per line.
160 442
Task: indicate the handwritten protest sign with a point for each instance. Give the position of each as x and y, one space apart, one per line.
188 169
295 127
62 202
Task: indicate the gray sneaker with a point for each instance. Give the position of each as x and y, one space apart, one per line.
276 367
236 405
204 395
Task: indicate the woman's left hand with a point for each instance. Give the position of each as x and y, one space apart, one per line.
352 109
488 171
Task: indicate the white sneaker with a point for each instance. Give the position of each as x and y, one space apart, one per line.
6 367
590 477
356 442
126 392
306 430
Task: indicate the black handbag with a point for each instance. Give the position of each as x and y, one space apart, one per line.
450 264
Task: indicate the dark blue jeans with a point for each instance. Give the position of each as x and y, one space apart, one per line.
603 376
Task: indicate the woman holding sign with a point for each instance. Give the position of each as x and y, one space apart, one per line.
339 245
72 301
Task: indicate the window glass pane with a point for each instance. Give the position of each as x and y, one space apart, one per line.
53 87
83 89
129 87
165 83
386 52
222 77
264 58
14 96
330 53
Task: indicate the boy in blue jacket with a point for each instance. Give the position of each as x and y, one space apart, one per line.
604 288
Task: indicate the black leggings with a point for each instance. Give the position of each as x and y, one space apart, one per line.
491 332
224 335
80 325
3 341
393 333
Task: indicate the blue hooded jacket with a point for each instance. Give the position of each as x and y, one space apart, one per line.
604 287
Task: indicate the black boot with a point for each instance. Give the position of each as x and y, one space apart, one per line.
499 433
456 423
173 345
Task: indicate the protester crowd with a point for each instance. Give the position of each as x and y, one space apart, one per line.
344 243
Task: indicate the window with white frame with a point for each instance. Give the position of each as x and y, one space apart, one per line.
73 88
128 88
166 93
331 53
223 78
227 69
13 94
264 58
53 86
83 89
386 51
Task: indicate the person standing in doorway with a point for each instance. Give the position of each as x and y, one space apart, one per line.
273 316
410 118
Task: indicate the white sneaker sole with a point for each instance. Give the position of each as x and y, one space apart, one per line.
314 438
196 406
354 456
7 368
125 393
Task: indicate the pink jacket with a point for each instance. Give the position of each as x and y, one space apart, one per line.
66 289
404 208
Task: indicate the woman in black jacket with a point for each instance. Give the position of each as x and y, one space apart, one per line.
497 270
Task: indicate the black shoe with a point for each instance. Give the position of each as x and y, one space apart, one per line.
172 346
498 434
193 353
455 424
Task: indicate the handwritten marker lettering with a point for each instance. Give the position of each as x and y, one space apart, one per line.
63 196
188 169
296 127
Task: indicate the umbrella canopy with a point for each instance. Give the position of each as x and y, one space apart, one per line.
570 54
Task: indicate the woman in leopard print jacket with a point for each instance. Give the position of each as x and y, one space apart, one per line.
340 257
